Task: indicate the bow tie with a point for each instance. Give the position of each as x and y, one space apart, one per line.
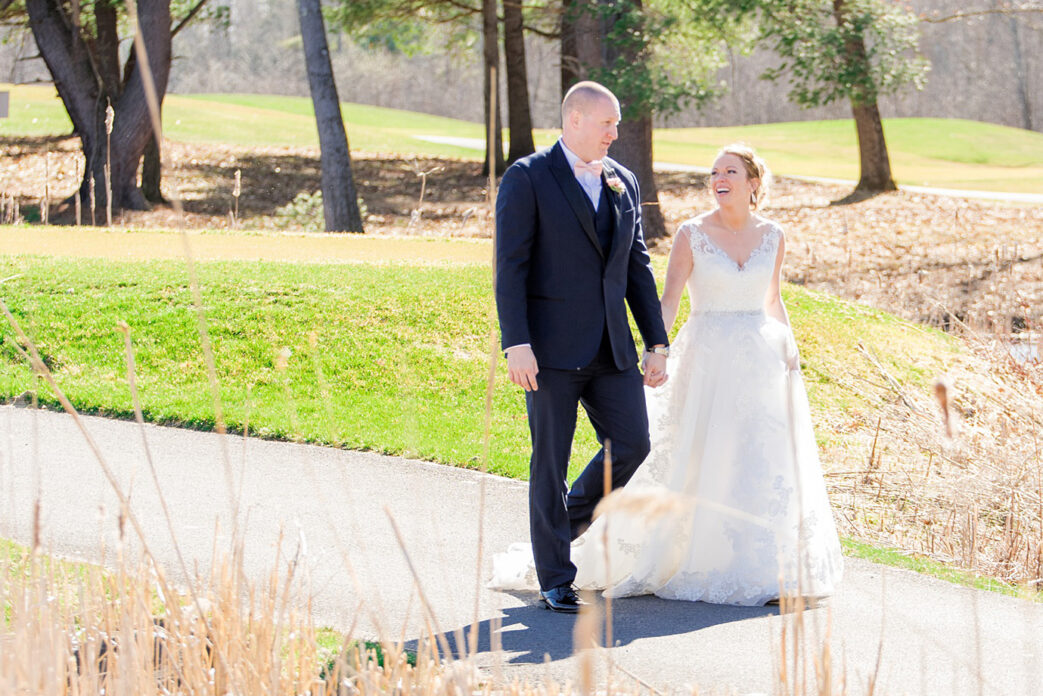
593 167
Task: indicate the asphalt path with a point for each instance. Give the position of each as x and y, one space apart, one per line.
337 512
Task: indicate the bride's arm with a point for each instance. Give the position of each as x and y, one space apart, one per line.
774 307
677 271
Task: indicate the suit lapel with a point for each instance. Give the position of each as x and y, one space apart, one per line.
563 174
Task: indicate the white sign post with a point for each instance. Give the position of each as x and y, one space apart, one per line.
3 104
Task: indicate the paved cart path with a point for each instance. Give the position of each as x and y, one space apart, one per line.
330 505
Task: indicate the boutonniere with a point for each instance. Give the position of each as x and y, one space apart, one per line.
615 183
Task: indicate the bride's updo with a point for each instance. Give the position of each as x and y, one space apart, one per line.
756 168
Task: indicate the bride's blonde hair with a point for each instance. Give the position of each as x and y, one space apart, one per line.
755 167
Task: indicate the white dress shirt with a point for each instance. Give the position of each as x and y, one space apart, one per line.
591 184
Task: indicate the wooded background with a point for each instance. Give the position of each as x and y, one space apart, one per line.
986 69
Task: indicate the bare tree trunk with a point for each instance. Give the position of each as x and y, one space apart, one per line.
569 61
491 54
590 29
1020 75
87 79
874 162
152 173
634 146
152 162
634 150
107 47
339 196
581 44
519 115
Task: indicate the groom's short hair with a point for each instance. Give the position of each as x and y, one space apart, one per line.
582 94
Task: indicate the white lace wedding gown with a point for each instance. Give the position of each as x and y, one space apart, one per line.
730 506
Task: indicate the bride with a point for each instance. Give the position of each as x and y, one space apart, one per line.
730 506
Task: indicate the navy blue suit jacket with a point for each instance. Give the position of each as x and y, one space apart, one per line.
556 288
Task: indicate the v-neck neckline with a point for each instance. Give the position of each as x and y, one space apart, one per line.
717 248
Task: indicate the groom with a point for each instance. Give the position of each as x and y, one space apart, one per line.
570 256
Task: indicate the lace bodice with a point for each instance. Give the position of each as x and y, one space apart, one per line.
718 284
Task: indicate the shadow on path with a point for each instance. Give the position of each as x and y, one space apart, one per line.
530 632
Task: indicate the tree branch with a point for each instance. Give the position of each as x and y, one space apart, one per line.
552 11
463 6
969 14
187 18
545 33
467 9
77 80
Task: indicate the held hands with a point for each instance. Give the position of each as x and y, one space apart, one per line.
522 368
653 366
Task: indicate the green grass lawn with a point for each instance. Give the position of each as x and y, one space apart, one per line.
917 563
391 358
402 350
260 120
949 153
255 121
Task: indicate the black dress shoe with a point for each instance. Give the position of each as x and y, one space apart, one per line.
562 599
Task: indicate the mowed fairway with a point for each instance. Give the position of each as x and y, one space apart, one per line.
947 153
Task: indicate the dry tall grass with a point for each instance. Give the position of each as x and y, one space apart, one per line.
126 631
959 482
956 476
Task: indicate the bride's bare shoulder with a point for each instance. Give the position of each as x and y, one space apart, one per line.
765 225
698 222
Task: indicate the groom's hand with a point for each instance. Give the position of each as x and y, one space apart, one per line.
522 368
654 367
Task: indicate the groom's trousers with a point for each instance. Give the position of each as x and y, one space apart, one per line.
615 404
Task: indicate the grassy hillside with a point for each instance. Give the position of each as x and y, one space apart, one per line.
391 358
950 153
937 152
254 121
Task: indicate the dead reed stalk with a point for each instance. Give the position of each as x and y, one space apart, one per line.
77 204
10 213
237 189
45 202
490 389
110 118
415 214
